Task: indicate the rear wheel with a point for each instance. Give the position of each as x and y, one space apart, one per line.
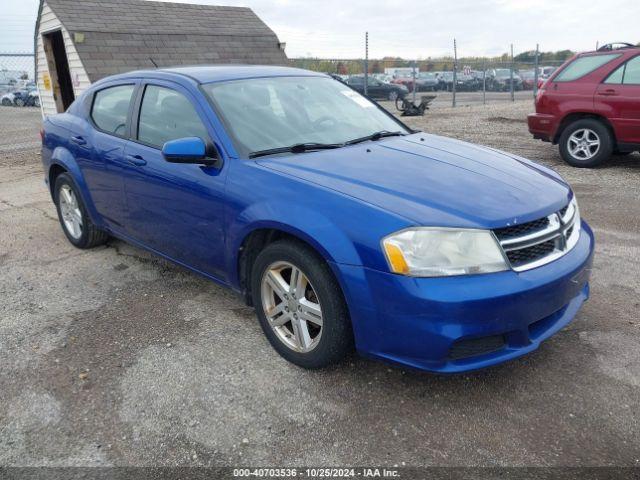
300 305
393 95
586 143
72 213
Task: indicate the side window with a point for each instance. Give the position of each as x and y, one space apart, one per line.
632 72
167 115
616 76
583 66
111 107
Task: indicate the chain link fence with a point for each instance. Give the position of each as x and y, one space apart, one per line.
19 104
454 81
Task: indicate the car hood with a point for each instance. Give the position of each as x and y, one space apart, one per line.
432 180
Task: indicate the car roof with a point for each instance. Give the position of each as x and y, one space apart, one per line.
620 51
219 73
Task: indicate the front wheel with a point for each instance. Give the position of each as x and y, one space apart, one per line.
72 213
586 143
393 95
300 305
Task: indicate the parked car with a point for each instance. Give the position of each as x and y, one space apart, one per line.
383 77
445 81
405 81
590 107
528 79
377 89
499 80
21 98
7 99
341 225
546 72
467 83
426 82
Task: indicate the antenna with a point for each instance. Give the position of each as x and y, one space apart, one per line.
154 63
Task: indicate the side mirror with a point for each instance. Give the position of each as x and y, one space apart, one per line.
187 150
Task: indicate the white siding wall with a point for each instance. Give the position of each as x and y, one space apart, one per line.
49 22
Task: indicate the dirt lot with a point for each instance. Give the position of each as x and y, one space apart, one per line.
114 357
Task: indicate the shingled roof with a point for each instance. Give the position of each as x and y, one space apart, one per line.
124 35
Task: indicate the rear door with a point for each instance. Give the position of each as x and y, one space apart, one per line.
176 209
618 99
375 89
97 140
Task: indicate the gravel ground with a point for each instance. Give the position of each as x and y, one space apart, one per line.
115 357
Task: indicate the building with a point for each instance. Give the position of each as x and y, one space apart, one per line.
80 42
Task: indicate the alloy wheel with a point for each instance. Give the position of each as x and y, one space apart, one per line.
70 211
583 144
292 306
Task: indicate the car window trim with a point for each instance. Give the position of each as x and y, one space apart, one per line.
135 121
561 71
624 74
623 65
127 126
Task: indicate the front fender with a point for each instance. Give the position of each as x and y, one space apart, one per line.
62 157
313 227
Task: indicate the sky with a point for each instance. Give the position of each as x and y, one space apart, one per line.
418 30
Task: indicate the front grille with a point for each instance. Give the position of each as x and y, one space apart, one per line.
522 229
530 254
476 346
532 244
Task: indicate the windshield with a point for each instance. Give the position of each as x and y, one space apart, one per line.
275 112
427 76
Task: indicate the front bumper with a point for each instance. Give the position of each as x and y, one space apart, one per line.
542 126
422 322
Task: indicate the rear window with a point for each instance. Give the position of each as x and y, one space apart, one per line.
111 107
583 66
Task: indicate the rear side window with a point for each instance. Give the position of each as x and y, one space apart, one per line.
627 74
111 107
167 115
583 66
632 72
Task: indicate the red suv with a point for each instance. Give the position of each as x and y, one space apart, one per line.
590 106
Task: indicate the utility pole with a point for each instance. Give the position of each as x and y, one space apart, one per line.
455 72
366 62
413 75
536 73
513 98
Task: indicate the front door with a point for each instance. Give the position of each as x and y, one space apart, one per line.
618 99
176 209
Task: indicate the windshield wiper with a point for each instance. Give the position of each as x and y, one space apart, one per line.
375 136
297 148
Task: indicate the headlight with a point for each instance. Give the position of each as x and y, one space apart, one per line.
438 252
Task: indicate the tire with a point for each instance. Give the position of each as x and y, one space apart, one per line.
87 235
36 102
586 155
393 95
19 102
6 102
326 346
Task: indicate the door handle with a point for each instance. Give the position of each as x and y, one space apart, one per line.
136 160
609 92
78 140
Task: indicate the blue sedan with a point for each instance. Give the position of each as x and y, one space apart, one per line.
341 225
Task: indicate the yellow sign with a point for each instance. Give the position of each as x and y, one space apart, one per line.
47 81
